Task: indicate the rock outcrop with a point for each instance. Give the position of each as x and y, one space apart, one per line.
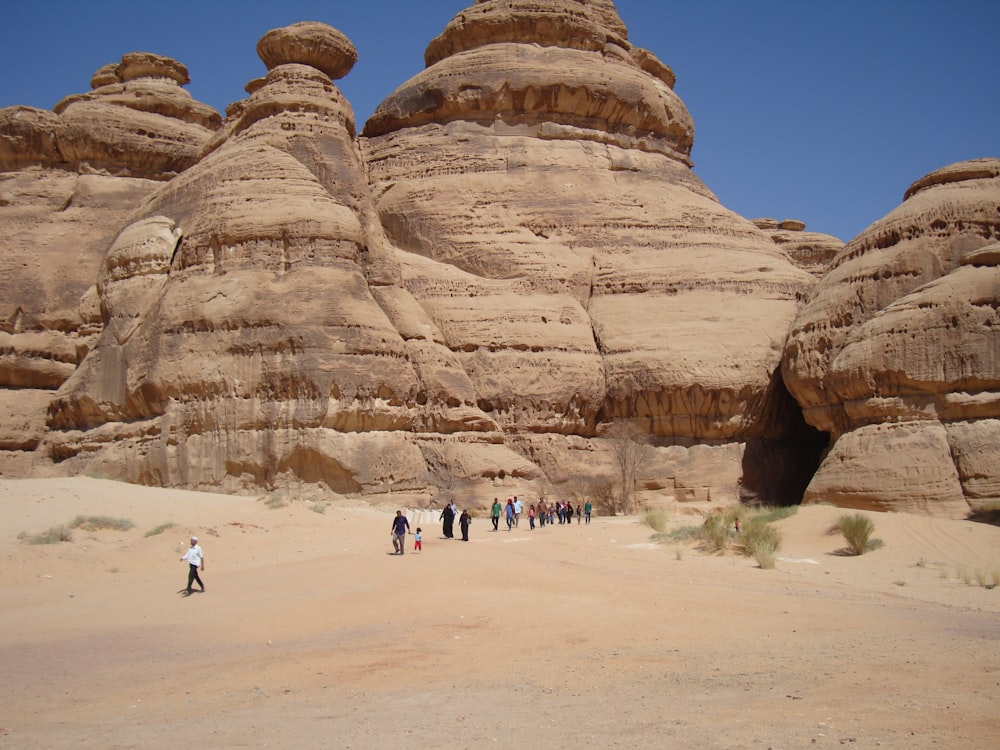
68 179
536 176
810 251
897 354
256 333
512 257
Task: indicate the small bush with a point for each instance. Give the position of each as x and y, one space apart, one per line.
656 520
857 530
318 508
51 536
770 515
715 532
680 534
161 528
94 523
761 541
275 501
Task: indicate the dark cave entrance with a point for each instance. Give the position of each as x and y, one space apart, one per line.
782 451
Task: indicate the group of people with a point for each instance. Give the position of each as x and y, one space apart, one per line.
544 513
448 516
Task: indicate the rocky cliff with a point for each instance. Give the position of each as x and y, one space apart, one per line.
897 353
513 256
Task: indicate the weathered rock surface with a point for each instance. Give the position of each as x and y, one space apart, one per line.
903 335
68 180
539 184
514 255
810 251
251 306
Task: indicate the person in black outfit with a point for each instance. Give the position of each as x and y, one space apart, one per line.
464 520
448 516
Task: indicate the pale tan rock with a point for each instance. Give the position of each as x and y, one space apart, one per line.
254 352
587 295
976 451
308 43
23 425
810 251
903 467
589 25
905 329
922 240
514 255
546 92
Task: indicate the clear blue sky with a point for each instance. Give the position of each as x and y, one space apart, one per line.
808 109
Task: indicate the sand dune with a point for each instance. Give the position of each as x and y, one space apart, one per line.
312 635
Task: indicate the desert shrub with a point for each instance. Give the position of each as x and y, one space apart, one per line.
656 520
857 530
715 532
770 515
161 528
275 500
761 541
680 534
318 508
53 535
95 523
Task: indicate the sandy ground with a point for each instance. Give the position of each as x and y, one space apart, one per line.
311 634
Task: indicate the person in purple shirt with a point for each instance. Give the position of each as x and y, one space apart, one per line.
399 528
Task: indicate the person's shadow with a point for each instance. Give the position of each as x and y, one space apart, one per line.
185 592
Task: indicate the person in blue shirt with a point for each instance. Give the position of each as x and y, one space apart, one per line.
399 528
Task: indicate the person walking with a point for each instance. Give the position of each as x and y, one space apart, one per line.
418 540
399 528
495 513
463 523
195 559
509 510
543 513
448 517
588 508
531 517
517 511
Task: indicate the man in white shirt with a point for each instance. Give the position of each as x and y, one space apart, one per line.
195 559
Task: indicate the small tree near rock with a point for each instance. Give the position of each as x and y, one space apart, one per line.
630 447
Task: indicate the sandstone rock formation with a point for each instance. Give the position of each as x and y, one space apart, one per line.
897 354
68 179
810 251
513 256
553 187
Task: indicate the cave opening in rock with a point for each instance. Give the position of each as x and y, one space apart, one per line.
782 451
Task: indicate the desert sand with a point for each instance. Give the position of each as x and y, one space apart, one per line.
311 634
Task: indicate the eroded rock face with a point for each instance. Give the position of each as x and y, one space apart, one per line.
902 337
538 183
69 177
256 333
68 180
810 251
513 255
284 308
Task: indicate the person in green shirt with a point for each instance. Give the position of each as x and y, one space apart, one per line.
588 507
495 514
